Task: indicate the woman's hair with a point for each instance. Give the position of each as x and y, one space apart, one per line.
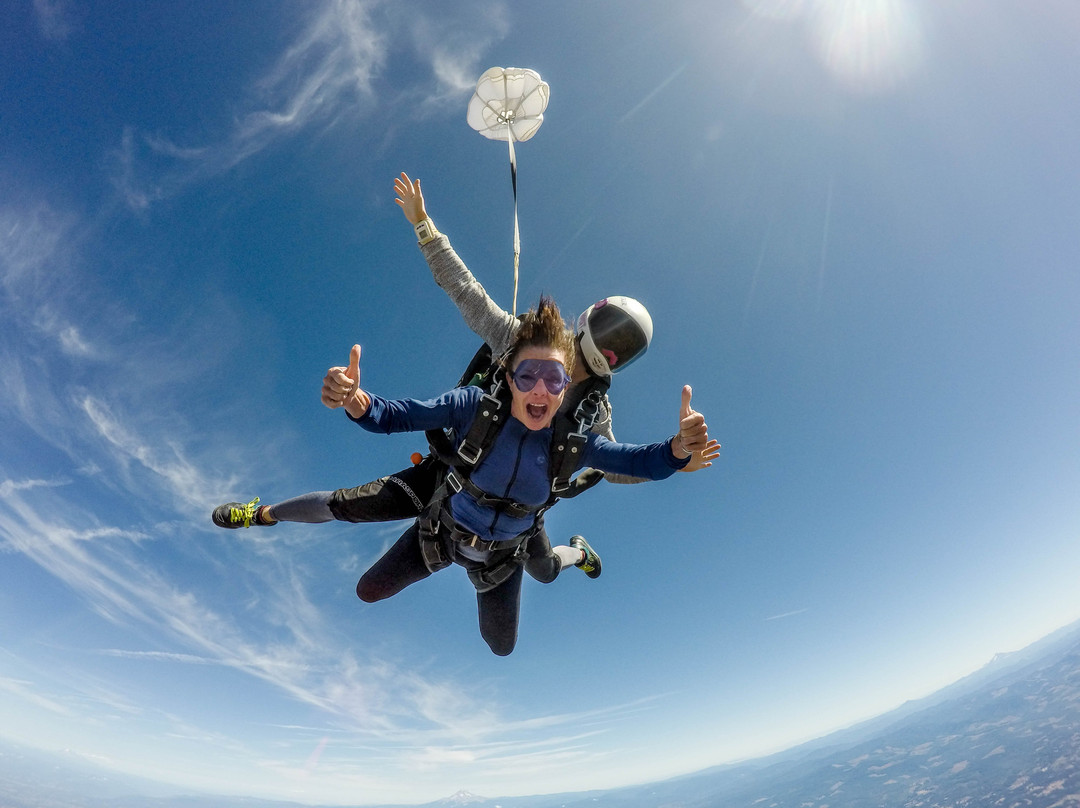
543 327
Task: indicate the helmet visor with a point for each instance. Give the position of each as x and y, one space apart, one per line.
616 336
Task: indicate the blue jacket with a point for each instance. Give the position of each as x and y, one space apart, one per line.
516 467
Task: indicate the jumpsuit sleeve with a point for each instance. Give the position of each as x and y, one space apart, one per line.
602 427
454 409
492 324
652 461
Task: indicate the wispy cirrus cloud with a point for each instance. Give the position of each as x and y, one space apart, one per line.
26 691
373 698
159 656
413 723
55 19
10 486
36 267
329 75
786 615
328 68
164 460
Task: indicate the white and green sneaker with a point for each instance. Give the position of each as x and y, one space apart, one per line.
590 565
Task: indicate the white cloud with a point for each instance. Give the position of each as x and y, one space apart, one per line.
165 459
8 487
27 692
326 76
786 615
136 192
30 239
328 69
159 656
72 341
119 584
54 19
454 56
35 267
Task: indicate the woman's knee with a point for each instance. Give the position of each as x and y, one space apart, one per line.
502 645
369 591
544 569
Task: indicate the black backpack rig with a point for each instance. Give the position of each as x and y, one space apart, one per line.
438 532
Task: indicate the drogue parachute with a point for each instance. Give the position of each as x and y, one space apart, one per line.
508 104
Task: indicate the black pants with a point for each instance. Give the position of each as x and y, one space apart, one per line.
498 609
398 496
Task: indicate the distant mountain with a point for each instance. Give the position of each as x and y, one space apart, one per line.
1009 735
461 798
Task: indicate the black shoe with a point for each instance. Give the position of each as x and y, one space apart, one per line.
590 565
232 515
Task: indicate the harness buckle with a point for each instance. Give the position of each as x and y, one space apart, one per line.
587 411
453 481
473 541
431 550
469 453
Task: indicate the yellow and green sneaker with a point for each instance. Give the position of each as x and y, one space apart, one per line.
590 565
232 515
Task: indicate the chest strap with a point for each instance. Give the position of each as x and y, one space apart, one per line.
456 483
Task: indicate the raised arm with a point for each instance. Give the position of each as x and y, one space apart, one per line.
489 321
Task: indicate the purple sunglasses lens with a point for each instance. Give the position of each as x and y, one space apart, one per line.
530 371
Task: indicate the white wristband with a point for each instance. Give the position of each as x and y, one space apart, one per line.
425 231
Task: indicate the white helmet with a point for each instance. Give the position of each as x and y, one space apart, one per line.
612 333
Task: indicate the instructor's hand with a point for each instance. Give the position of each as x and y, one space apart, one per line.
410 198
341 387
703 459
693 435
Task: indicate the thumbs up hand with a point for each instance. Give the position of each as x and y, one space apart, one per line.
703 458
693 433
341 387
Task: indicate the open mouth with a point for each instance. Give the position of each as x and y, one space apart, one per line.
537 411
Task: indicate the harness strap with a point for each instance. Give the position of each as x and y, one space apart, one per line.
492 412
583 482
487 578
567 451
440 537
512 508
463 538
438 530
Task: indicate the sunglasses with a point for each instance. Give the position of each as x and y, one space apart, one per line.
531 371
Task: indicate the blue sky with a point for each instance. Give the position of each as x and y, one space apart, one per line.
856 225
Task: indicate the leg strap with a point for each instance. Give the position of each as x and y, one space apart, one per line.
487 578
